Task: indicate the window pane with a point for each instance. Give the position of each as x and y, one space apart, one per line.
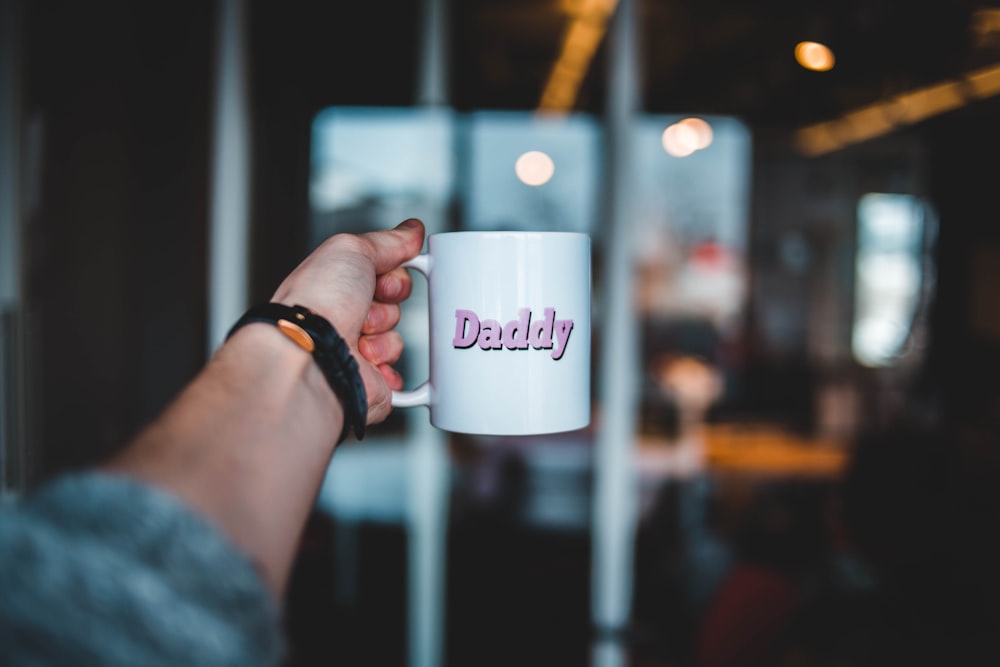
497 199
693 214
374 167
888 276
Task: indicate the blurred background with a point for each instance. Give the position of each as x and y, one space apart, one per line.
796 229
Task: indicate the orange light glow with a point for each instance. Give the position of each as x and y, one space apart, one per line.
815 56
584 33
894 112
985 82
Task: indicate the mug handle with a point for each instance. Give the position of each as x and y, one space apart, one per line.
422 394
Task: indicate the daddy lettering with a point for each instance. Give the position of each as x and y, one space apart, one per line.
547 333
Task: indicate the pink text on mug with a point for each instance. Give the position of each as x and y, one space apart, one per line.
547 333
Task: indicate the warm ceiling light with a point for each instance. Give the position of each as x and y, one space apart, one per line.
702 130
985 23
680 140
815 56
534 168
583 35
686 136
985 82
893 112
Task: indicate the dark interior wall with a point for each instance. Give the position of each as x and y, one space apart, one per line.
803 249
964 355
302 58
950 162
118 96
118 105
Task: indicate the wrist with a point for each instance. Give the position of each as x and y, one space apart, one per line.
332 355
277 362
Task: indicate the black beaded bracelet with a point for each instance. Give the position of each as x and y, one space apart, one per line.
316 335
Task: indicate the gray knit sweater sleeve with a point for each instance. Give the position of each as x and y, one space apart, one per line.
98 569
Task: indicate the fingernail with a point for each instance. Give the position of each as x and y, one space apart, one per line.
410 223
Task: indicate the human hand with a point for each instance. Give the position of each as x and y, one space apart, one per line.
356 282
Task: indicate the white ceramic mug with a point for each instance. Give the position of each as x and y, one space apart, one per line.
509 332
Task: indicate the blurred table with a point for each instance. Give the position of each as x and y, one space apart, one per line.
742 449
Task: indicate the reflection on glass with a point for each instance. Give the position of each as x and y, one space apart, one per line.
374 167
888 276
691 272
692 219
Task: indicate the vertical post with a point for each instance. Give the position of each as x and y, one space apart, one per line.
614 516
429 464
428 517
229 222
432 82
13 469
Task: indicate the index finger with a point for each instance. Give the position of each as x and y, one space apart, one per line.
395 246
394 286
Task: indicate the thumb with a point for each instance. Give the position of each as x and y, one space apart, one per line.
394 246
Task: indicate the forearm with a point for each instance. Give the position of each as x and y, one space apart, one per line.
247 444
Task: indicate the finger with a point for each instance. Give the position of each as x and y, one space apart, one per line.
391 377
394 286
380 382
394 246
382 348
381 317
